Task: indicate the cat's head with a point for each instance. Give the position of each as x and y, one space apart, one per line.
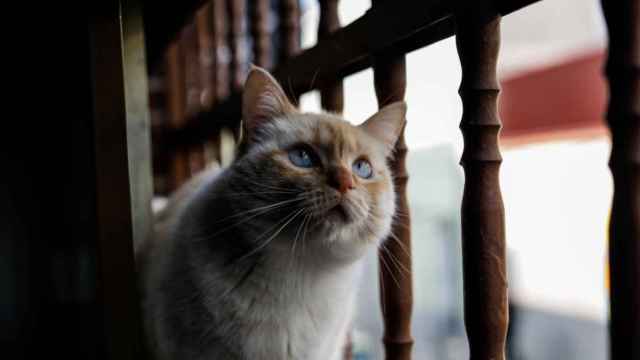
330 178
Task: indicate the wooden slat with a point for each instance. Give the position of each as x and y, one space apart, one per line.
176 108
289 31
344 52
396 285
222 58
208 71
237 28
163 22
331 94
206 64
395 258
193 88
483 236
623 117
192 76
260 21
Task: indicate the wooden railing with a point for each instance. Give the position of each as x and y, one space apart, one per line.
215 46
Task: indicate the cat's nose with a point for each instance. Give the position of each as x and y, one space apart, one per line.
340 179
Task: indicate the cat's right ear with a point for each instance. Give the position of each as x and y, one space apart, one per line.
262 100
387 124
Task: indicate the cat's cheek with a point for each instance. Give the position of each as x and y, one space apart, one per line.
385 209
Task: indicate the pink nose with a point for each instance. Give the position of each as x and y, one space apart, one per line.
340 179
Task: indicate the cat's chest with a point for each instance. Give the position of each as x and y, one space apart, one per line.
297 324
299 331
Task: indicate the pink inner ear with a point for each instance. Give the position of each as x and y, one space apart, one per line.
263 99
387 124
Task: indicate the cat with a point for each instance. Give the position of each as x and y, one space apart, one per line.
259 260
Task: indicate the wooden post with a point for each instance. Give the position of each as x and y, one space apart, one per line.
237 25
623 117
289 32
331 95
212 30
221 60
483 238
396 284
260 33
122 168
176 109
193 86
289 29
204 28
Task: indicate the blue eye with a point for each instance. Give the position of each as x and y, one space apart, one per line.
302 157
363 168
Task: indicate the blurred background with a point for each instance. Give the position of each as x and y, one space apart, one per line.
555 182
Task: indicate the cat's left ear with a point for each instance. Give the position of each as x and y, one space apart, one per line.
387 124
263 100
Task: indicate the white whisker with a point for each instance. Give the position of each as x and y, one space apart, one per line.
267 241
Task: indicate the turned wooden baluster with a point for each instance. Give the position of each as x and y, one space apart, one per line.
289 29
212 31
219 43
237 25
483 238
623 117
396 295
176 109
260 33
396 286
192 74
204 26
331 95
289 32
192 78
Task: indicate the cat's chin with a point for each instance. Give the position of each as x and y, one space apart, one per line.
346 212
341 213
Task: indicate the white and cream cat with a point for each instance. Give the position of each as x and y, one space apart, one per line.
259 260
